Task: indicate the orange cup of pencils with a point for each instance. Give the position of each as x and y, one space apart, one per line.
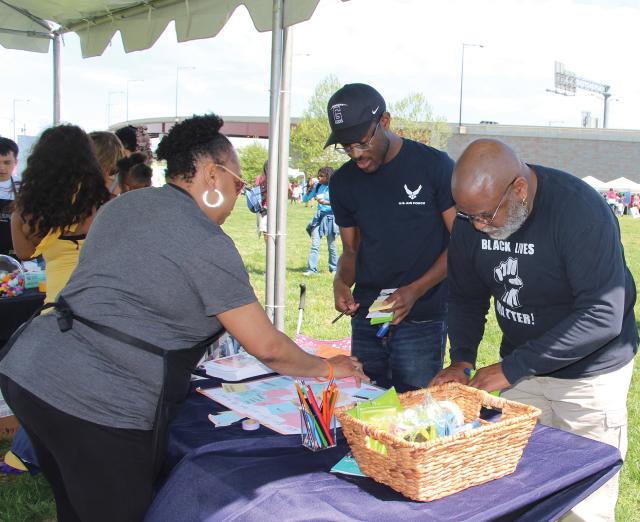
317 419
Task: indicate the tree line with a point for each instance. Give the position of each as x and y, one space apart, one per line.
411 117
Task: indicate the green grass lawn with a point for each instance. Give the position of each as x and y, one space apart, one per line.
27 498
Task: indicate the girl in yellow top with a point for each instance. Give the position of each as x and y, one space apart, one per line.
62 188
60 252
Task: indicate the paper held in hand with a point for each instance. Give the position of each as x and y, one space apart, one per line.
379 311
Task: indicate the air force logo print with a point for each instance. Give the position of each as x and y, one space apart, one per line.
507 274
412 195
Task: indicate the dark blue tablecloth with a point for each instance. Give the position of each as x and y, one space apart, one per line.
227 474
16 310
191 429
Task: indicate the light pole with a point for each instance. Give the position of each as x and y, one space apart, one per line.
16 100
111 93
178 69
128 82
462 80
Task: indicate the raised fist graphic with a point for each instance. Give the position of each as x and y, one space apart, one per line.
507 274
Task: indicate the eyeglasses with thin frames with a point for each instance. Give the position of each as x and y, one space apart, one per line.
240 183
357 146
485 220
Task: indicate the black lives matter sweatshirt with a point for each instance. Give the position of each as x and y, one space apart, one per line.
563 294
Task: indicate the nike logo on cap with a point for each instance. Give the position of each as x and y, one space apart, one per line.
375 110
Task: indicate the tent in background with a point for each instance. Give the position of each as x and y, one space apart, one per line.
595 183
28 26
623 184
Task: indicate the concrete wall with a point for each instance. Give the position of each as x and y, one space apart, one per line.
604 153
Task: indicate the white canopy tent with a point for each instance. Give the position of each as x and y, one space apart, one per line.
140 22
623 184
31 24
595 183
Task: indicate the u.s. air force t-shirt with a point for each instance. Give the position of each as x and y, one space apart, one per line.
563 294
398 210
153 266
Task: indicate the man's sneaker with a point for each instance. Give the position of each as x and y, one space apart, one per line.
309 273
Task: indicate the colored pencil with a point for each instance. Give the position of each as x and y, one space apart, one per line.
317 421
316 410
316 418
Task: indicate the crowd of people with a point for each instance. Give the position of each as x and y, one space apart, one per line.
623 203
95 381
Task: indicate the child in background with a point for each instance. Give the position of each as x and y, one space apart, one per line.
109 150
134 173
135 139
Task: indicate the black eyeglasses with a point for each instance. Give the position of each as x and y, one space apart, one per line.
484 219
347 149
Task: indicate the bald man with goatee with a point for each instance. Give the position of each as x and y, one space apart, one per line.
547 248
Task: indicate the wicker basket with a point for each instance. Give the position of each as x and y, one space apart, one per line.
431 470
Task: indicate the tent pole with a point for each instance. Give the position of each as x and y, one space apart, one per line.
283 182
56 79
272 180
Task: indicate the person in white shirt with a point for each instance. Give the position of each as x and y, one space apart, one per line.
8 191
297 193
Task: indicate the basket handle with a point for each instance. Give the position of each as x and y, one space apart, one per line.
508 408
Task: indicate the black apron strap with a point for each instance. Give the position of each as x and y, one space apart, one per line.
66 316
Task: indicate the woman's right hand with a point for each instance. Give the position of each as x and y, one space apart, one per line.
348 366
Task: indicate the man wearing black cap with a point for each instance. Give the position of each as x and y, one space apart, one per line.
393 204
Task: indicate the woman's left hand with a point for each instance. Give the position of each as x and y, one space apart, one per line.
348 366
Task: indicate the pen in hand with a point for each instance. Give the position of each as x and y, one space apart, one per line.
336 319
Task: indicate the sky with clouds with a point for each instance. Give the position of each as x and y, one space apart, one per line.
398 46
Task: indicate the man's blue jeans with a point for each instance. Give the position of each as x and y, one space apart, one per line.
407 358
315 250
